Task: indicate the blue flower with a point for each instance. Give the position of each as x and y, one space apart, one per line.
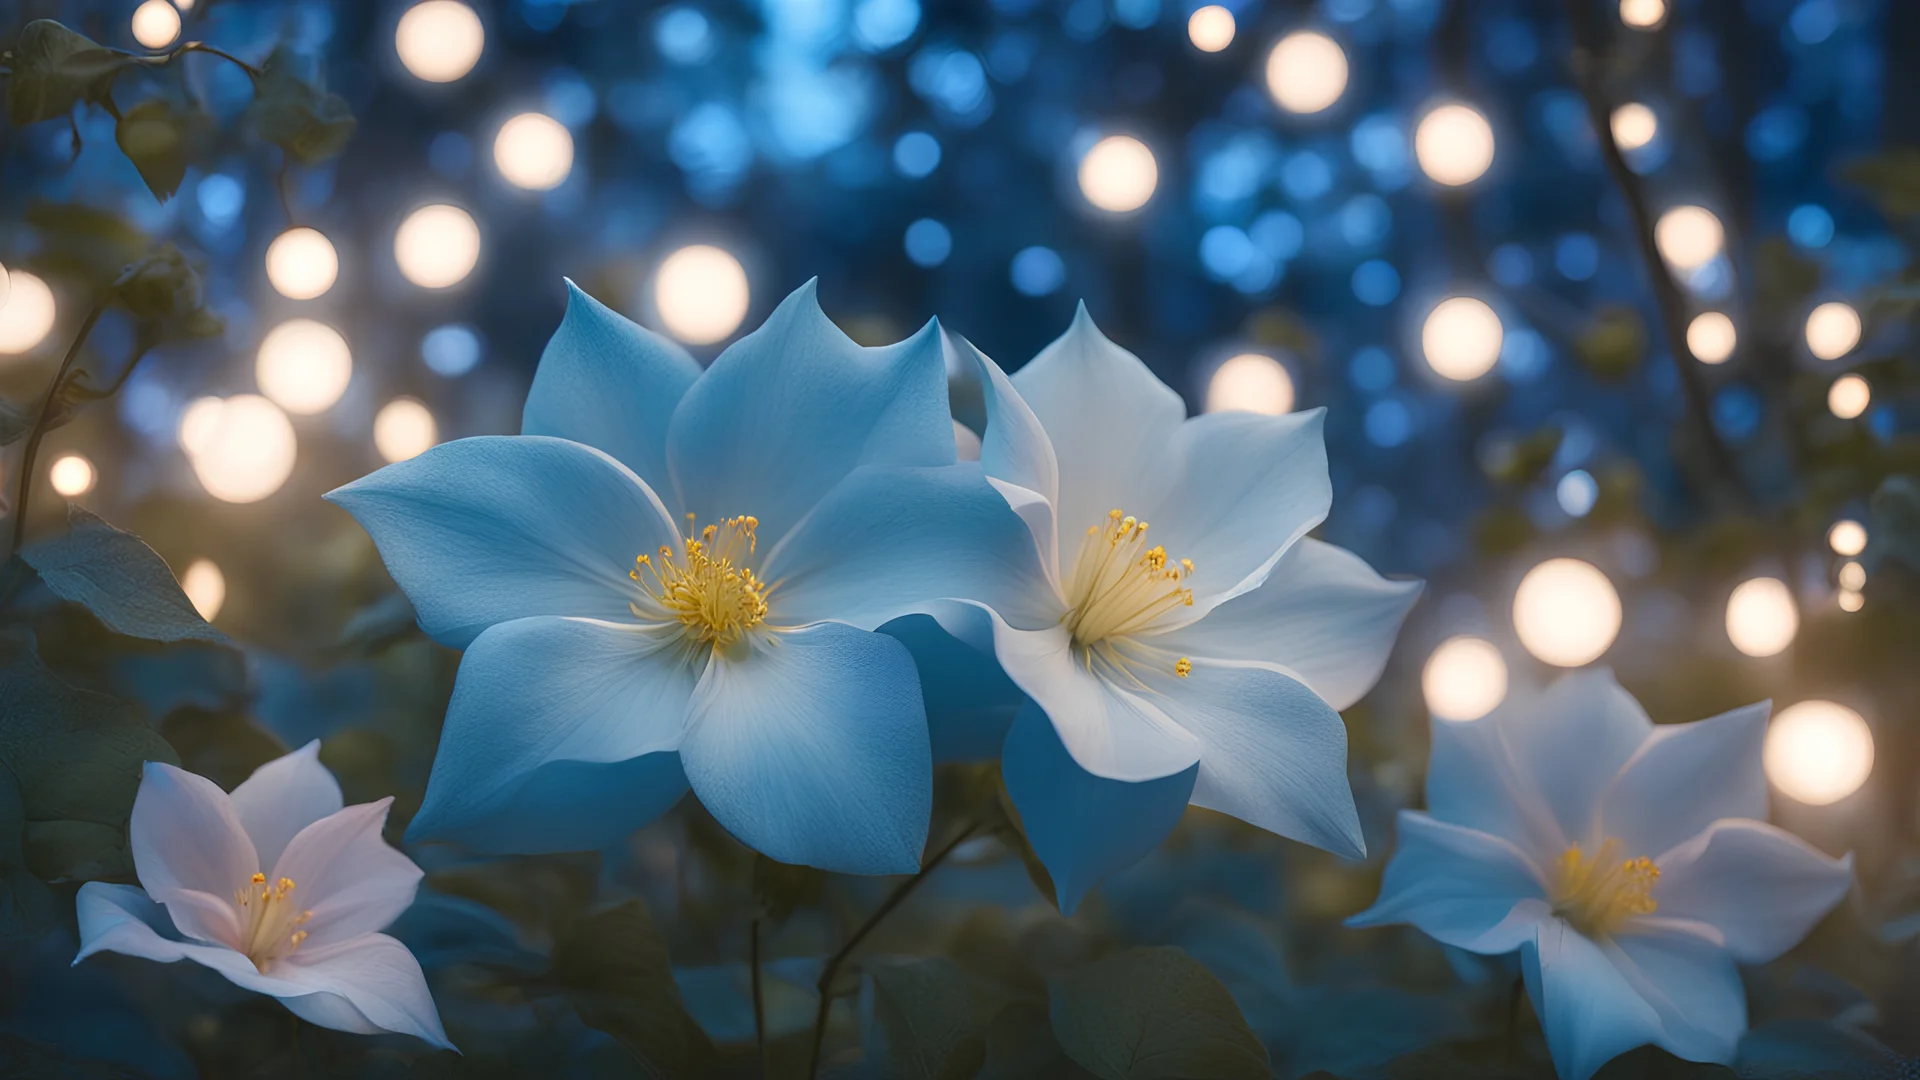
1188 644
616 657
1623 860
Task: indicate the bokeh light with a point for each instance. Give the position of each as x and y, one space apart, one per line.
156 24
1464 679
1306 72
404 428
1251 382
206 587
1566 612
1711 337
1818 752
439 40
533 151
1847 537
1643 14
1849 396
1852 576
28 315
1454 145
301 263
701 294
1761 617
1634 125
437 246
303 366
1689 237
1833 329
242 449
71 475
1461 338
1210 28
1118 174
1851 600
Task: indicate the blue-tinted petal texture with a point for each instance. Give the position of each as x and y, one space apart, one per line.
1473 782
1589 1011
970 701
1692 985
190 850
1572 741
789 410
811 747
487 530
612 384
560 736
1685 777
1016 453
1460 887
1762 888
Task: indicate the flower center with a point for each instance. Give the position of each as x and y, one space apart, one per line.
1120 585
270 924
1600 894
715 597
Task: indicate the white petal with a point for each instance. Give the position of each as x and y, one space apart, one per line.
1459 886
284 796
1761 887
351 879
187 839
1687 776
1473 782
1016 452
1589 1011
1572 741
122 919
1691 983
365 984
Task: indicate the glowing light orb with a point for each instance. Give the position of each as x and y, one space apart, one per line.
301 263
1251 382
1634 125
1853 577
1849 396
1847 537
1761 617
439 40
1210 28
205 586
303 366
1461 338
1852 601
71 475
1818 752
1119 174
1566 612
701 293
156 24
1306 72
1454 145
242 449
1643 14
1689 237
1464 679
404 428
27 317
533 151
1711 337
437 246
1833 329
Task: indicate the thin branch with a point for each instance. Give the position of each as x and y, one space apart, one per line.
759 1000
47 400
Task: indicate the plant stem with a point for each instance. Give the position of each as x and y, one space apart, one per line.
32 451
759 1002
834 962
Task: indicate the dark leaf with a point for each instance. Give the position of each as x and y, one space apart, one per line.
161 141
614 968
308 123
1814 1050
164 291
538 892
27 907
927 1011
1021 1046
1896 520
380 624
1613 343
81 241
122 581
779 888
55 69
1154 1014
1891 178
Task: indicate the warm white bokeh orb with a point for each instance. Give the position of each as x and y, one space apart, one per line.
1566 612
437 246
1818 752
1210 28
404 428
156 24
1634 125
1454 145
1833 329
439 40
1251 382
1761 616
1119 174
1306 72
1643 14
1847 537
1853 576
301 263
303 366
1689 237
1849 396
205 586
27 317
242 449
1461 338
1464 679
533 151
71 475
1851 600
701 294
1711 337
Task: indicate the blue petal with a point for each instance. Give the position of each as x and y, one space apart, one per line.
1572 741
1471 782
486 530
1084 828
787 411
612 384
887 542
1589 1011
1692 984
1016 452
1685 777
810 746
970 701
1460 887
1761 887
560 737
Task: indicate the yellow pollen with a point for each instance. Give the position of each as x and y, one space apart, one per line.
1119 585
711 592
270 925
1599 895
1183 667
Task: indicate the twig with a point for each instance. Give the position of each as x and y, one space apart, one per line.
759 1002
286 200
32 451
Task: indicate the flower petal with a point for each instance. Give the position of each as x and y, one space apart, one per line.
787 411
124 919
1083 827
284 796
485 530
1571 742
612 384
550 716
970 701
1016 452
1272 753
1322 614
346 875
812 748
887 541
1687 776
1589 1011
367 984
1693 986
190 850
1460 887
1763 888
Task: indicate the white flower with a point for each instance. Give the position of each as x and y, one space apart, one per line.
276 887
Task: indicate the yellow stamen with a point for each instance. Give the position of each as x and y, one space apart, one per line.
710 591
270 926
1599 895
1119 585
1183 667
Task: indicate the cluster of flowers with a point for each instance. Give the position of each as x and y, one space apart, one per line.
736 581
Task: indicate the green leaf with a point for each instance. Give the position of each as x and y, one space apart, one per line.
1614 343
122 581
1891 178
164 291
779 888
27 908
1154 1014
78 757
614 968
81 241
308 123
54 69
156 139
927 1011
1021 1046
